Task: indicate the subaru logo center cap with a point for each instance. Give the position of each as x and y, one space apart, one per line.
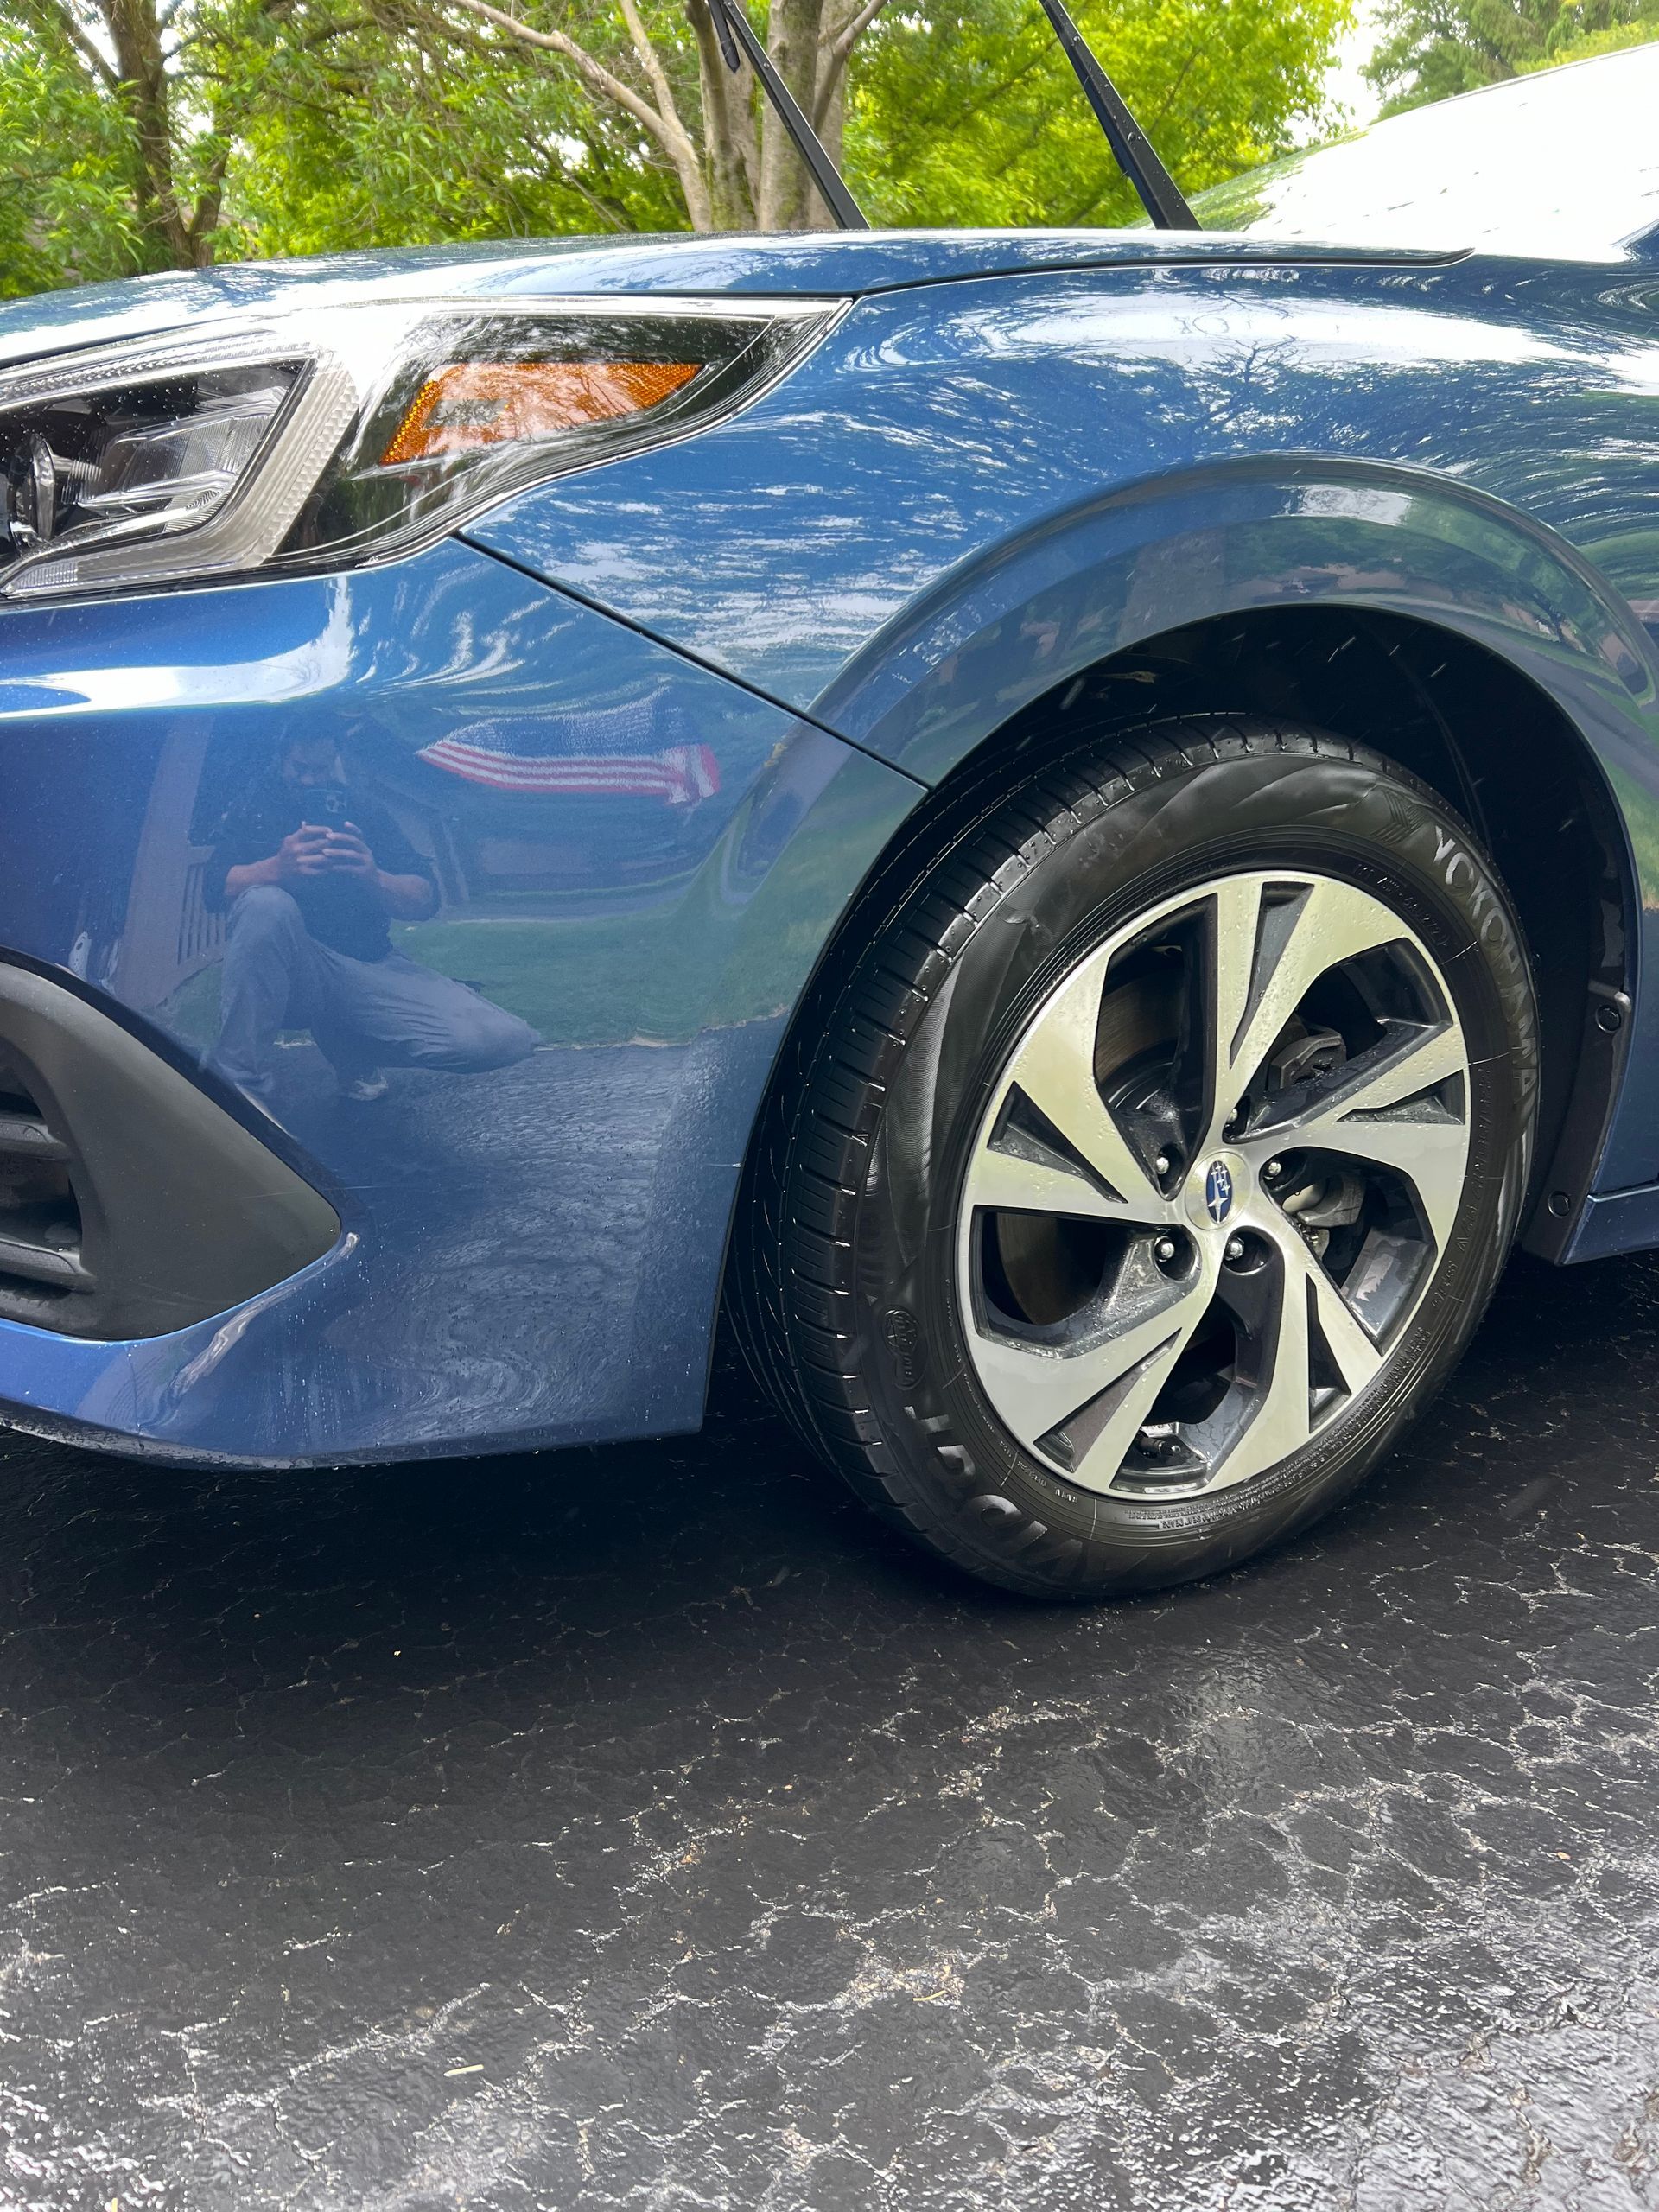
1218 1191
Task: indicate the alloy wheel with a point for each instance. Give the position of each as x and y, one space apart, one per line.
1213 1182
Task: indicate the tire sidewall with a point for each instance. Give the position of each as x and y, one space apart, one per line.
1152 837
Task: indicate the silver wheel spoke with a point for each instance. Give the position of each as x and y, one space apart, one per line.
1281 1421
1267 956
1432 1156
1013 1182
1112 1425
1107 1388
1398 1071
1236 923
1054 1067
1351 1346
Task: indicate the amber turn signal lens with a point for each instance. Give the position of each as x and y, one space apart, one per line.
472 404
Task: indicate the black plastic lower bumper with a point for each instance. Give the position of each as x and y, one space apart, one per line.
131 1202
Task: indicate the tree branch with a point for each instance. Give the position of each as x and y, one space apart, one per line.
847 38
54 15
832 60
646 54
204 216
667 129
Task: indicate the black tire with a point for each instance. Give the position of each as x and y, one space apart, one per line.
842 1276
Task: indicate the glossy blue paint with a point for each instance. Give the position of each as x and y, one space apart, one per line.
532 1252
836 264
1623 1221
651 725
937 431
1009 480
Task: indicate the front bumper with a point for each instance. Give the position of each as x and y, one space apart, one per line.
640 858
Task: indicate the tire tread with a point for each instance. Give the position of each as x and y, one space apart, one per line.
790 1293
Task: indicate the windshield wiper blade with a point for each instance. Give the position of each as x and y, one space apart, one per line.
732 24
1155 188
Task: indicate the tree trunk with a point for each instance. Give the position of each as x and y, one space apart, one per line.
135 34
731 145
739 169
829 115
797 34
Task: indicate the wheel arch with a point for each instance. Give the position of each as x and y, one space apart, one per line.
1105 576
1391 605
1500 750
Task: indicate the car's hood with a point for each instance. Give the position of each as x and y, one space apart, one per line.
835 264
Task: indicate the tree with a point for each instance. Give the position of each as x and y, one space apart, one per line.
974 116
967 114
98 177
404 127
150 134
1432 50
736 168
155 134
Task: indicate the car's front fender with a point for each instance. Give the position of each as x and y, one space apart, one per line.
1199 545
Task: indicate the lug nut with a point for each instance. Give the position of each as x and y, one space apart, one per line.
1160 1165
1235 1247
1165 1248
1273 1169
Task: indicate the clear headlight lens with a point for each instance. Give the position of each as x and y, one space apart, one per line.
349 433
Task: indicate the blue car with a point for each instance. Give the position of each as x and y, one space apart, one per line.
1062 825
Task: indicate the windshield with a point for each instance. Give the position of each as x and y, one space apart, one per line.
1564 165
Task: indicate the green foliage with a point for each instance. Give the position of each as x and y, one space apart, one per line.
67 212
973 117
377 140
300 126
1432 50
334 130
1615 39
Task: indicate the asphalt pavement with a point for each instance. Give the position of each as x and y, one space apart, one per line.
646 1828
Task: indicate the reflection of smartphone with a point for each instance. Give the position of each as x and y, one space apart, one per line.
324 805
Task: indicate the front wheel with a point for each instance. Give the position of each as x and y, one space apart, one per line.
1153 1158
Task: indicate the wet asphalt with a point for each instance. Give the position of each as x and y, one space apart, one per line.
647 1828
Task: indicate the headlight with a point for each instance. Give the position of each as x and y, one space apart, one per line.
348 434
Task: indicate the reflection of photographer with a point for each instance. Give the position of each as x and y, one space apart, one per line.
312 873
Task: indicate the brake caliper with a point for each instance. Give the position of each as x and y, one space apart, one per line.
1317 1202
